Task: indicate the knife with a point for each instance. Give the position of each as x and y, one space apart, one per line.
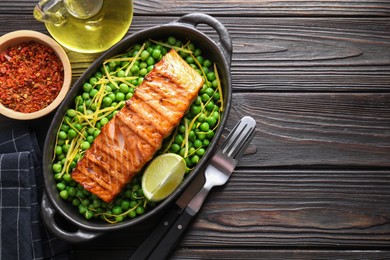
163 239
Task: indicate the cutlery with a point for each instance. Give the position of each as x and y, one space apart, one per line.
161 242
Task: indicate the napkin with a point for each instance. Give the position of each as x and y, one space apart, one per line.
22 233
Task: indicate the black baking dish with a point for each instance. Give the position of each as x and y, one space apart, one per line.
220 51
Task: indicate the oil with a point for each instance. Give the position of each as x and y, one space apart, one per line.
97 33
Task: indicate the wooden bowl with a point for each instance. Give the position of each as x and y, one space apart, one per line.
14 38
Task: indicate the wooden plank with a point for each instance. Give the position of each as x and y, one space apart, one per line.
237 7
286 54
303 129
290 209
233 253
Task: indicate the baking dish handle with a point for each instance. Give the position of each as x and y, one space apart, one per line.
224 37
48 216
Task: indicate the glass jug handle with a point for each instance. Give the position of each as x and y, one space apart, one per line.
56 11
52 11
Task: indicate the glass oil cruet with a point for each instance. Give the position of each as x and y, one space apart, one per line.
87 26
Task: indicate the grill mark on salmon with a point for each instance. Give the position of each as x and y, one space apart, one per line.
136 132
151 115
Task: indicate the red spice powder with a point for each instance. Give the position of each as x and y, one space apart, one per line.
31 76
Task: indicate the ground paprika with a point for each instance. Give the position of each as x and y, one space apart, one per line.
31 76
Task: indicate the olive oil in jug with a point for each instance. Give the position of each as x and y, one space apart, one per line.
87 26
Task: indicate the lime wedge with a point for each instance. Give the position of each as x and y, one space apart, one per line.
162 176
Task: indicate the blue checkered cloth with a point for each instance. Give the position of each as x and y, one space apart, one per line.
22 233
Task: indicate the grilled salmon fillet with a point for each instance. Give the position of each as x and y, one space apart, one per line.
136 132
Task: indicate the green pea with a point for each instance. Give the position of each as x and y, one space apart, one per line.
216 96
195 159
65 127
71 112
119 96
211 76
60 186
125 205
124 88
211 121
90 139
96 133
79 100
192 150
200 59
134 69
192 136
143 72
139 80
150 61
86 202
143 65
201 117
209 91
82 209
104 121
190 60
62 135
196 109
175 148
87 87
85 145
210 135
201 136
132 214
144 55
57 167
210 105
117 210
58 150
200 151
191 46
197 52
98 75
179 139
140 210
129 95
156 54
107 101
171 40
205 97
93 92
64 194
76 202
198 143
88 214
204 127
121 74
207 63
112 65
182 129
67 177
93 80
133 204
182 151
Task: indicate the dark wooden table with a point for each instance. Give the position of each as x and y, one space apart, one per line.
316 77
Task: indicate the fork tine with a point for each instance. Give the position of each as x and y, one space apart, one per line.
242 133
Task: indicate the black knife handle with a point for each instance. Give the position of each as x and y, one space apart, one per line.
171 239
146 248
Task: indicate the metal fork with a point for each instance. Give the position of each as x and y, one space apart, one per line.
224 161
217 173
